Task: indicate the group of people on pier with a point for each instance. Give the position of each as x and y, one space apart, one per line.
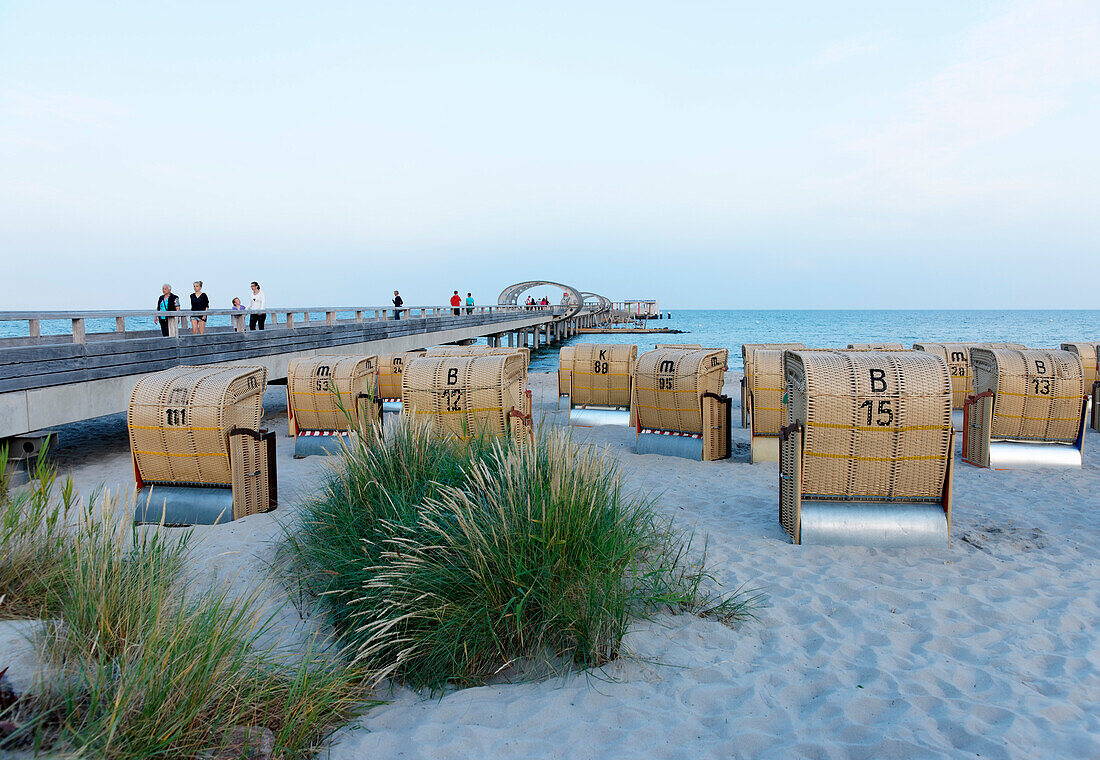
169 301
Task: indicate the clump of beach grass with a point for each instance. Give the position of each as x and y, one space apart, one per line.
35 541
455 561
140 664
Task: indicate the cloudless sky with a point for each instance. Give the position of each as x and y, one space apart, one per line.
714 154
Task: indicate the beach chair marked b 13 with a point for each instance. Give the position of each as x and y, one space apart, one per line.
1028 409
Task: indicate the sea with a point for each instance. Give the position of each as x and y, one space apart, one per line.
727 328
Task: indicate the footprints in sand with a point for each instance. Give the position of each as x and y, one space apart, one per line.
1003 541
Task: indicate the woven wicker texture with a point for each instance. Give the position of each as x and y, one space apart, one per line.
481 351
1037 393
769 413
957 356
466 396
877 424
390 367
319 385
876 347
669 384
601 374
1088 354
179 421
250 476
565 370
748 349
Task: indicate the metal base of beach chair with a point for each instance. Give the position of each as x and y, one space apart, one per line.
1010 455
391 405
957 420
183 505
313 443
688 447
593 416
764 448
874 524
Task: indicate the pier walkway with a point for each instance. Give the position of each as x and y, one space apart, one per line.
48 380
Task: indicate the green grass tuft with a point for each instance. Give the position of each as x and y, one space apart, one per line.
444 563
142 665
36 544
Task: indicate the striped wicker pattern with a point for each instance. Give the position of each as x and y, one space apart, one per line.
179 421
1036 393
748 350
565 370
600 374
318 386
390 367
1089 360
669 384
769 413
957 356
250 484
877 424
468 396
876 347
481 351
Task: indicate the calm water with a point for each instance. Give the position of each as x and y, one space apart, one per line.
836 329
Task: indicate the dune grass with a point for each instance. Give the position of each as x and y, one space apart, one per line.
444 563
35 542
141 664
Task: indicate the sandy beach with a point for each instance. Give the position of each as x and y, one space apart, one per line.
986 648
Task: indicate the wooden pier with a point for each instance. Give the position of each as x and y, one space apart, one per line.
49 380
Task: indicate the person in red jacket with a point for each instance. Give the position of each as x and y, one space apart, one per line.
456 302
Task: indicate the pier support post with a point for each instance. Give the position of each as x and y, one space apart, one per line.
511 339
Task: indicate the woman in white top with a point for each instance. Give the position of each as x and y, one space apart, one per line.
256 321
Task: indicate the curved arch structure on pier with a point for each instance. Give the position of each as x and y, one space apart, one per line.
510 295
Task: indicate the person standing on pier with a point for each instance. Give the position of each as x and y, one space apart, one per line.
256 319
397 304
168 301
469 303
456 303
199 302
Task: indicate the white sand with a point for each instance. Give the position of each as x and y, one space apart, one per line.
985 648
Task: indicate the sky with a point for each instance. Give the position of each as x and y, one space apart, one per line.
707 154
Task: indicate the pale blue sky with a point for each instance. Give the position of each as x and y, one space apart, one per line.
727 154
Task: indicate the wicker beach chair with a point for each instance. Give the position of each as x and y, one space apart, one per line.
866 458
678 404
597 378
1028 409
198 452
767 409
468 397
876 346
1089 352
390 367
747 352
330 398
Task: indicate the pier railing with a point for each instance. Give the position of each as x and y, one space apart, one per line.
87 325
